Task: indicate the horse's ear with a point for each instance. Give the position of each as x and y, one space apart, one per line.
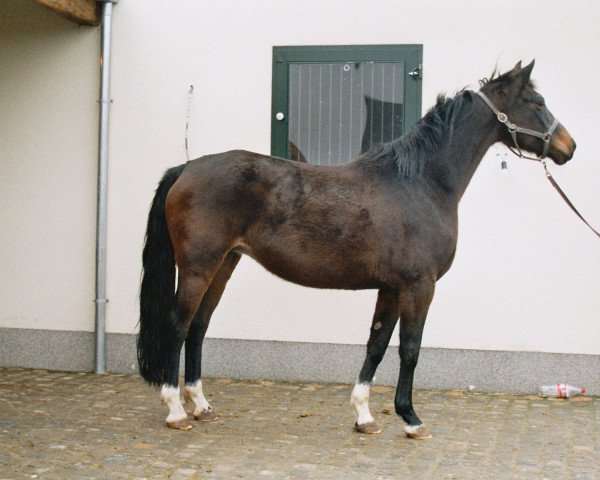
516 69
525 73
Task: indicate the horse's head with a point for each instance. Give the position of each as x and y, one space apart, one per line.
529 124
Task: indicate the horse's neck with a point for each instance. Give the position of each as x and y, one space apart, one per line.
455 164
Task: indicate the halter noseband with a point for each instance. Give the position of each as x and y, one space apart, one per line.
513 130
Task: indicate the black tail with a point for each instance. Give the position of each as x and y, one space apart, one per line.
158 317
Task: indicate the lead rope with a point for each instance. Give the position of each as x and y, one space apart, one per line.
565 198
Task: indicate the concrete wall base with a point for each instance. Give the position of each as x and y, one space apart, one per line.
439 368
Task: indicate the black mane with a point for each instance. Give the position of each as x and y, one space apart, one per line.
411 151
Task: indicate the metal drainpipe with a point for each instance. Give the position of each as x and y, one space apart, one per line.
101 300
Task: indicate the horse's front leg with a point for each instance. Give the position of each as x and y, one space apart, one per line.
415 304
384 320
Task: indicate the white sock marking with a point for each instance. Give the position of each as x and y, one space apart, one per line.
194 392
413 429
170 397
360 402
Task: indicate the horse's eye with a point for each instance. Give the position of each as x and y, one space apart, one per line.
540 104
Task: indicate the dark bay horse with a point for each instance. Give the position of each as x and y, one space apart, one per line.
387 220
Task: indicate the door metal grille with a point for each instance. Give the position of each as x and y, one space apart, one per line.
339 110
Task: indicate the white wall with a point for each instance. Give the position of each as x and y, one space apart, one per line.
526 273
48 140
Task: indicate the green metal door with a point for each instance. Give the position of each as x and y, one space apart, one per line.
331 103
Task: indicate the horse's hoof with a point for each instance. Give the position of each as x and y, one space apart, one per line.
206 416
418 432
370 428
183 424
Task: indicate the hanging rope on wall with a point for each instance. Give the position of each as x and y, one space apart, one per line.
187 121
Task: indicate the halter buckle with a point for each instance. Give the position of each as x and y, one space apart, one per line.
502 117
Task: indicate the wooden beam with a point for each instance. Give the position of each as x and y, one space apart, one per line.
83 12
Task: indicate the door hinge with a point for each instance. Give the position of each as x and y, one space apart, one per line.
417 73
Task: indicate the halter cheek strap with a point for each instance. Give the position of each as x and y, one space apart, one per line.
513 130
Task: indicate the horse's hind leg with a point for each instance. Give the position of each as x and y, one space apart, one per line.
193 343
415 305
385 318
192 285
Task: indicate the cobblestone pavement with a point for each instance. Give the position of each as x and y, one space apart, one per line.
85 426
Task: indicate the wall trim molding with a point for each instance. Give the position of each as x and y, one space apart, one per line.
439 368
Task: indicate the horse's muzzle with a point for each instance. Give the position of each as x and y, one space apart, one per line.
562 146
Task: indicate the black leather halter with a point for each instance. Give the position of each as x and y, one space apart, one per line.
514 129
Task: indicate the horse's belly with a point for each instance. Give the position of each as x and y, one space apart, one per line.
321 268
